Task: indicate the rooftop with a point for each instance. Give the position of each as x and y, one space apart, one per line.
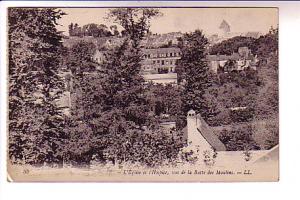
210 136
162 50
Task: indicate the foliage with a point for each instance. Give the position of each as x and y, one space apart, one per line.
114 30
231 90
35 121
80 58
145 148
166 100
188 156
227 47
135 21
272 139
122 84
209 157
247 155
248 88
268 96
266 132
194 73
79 145
111 109
266 45
238 139
92 29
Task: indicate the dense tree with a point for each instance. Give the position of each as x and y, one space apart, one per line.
268 95
35 121
77 31
92 29
164 98
135 21
71 27
80 58
114 30
113 110
266 45
123 84
194 72
239 139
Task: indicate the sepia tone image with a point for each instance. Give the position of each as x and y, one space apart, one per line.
143 94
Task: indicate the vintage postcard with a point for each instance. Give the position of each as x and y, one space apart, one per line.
143 94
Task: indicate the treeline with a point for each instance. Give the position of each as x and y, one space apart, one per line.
94 30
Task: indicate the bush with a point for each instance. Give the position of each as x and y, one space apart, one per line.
150 149
266 132
242 115
238 139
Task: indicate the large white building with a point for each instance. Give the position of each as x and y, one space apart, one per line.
158 65
160 60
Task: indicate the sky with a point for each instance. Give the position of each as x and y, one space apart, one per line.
185 19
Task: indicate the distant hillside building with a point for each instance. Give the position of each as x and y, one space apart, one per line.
158 65
160 60
225 27
241 60
225 33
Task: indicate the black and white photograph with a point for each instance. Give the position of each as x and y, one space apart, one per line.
142 94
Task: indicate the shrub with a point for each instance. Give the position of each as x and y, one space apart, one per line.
238 139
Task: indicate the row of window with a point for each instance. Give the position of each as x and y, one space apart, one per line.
162 55
164 62
159 70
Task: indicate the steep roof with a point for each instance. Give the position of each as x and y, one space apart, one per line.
210 136
162 50
225 26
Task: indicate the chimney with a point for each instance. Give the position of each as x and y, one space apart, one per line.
191 125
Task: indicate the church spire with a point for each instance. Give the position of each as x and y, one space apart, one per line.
225 26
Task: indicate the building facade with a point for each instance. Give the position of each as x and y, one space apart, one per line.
243 59
160 60
158 65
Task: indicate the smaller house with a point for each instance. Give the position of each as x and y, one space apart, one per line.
203 141
200 136
99 56
243 59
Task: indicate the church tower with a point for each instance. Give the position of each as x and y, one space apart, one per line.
225 27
